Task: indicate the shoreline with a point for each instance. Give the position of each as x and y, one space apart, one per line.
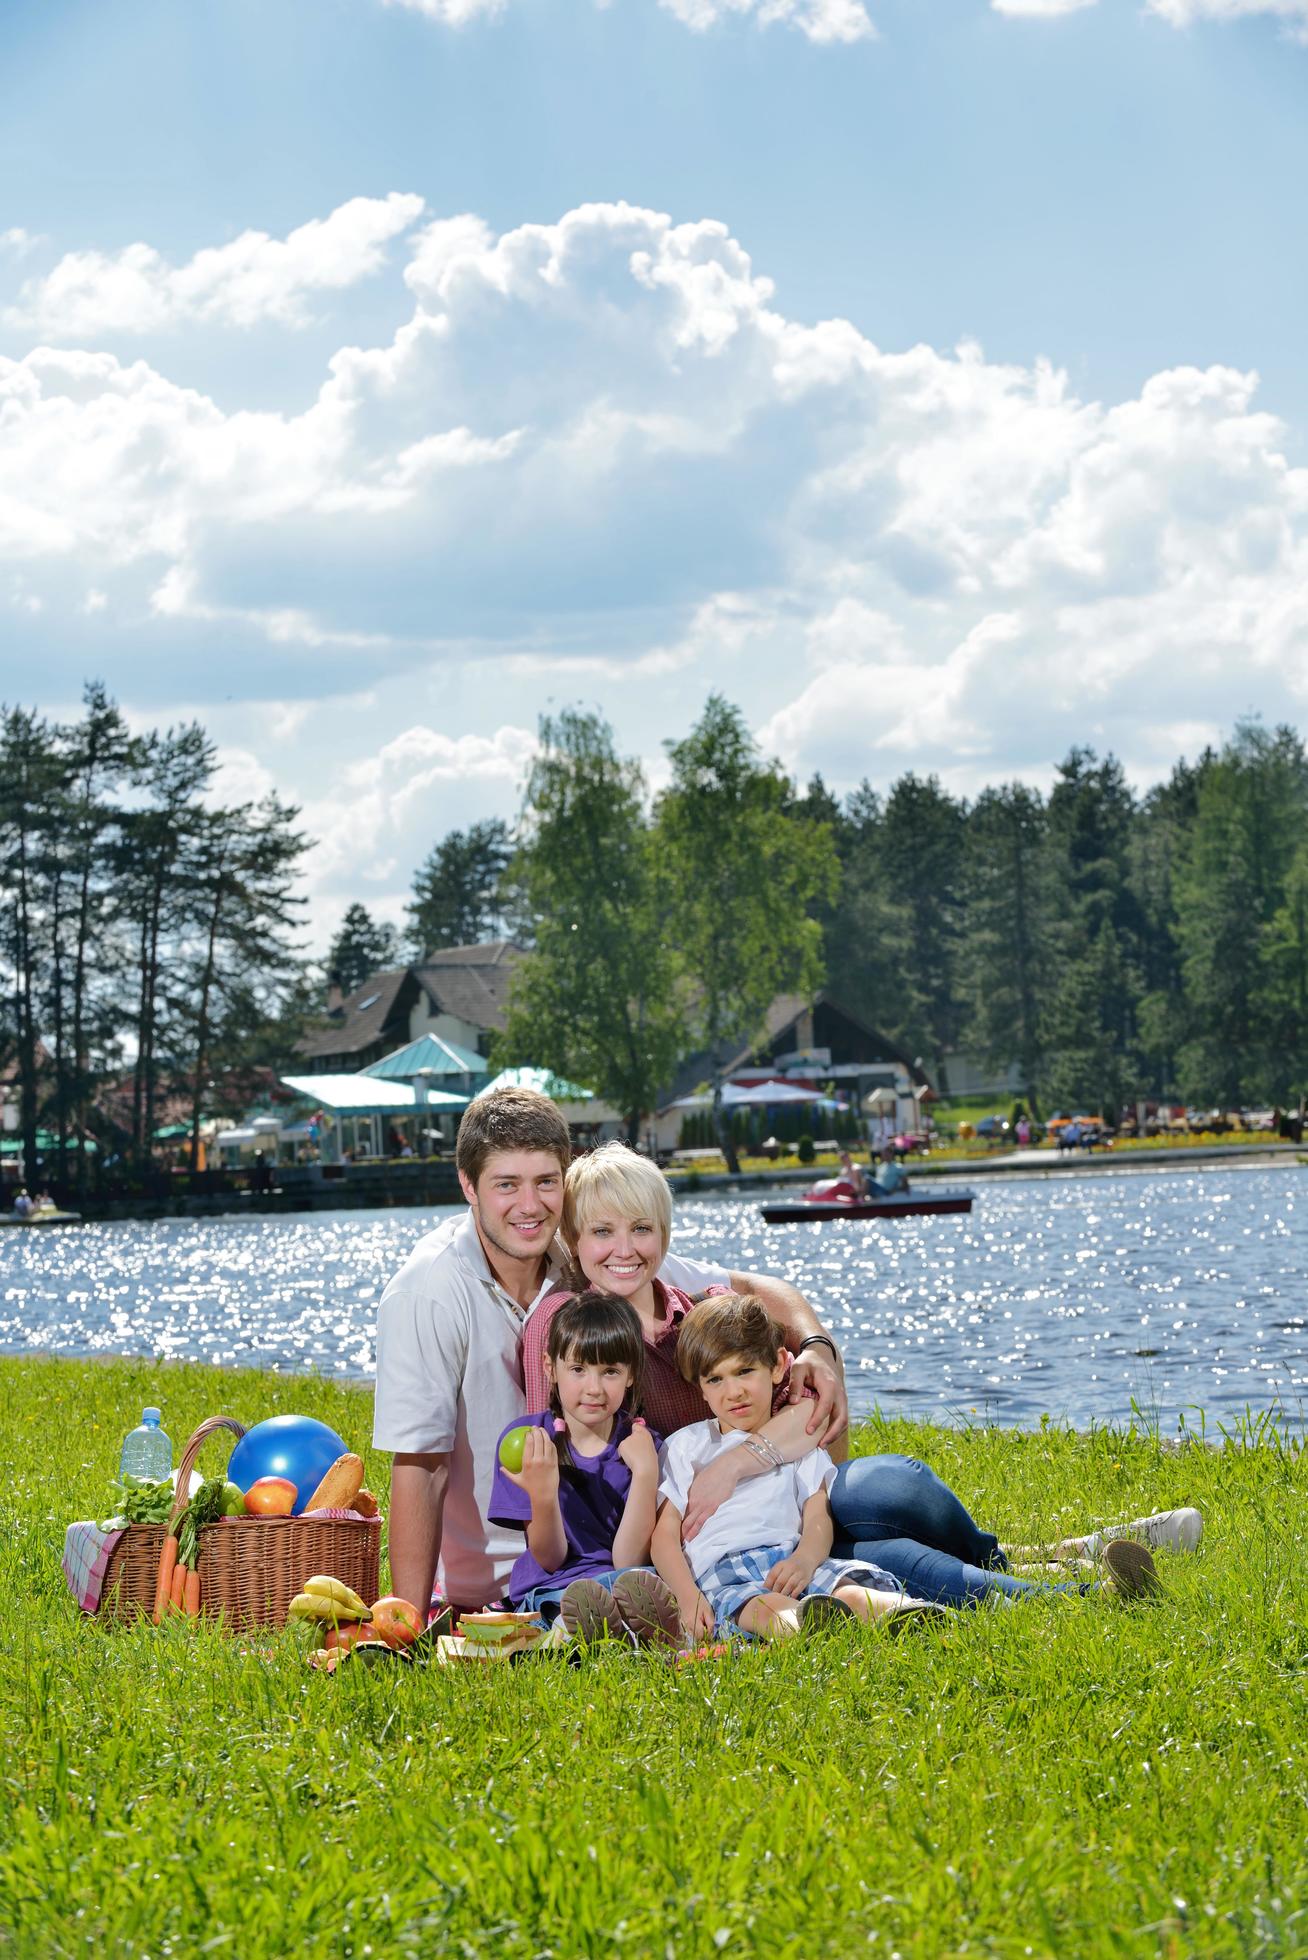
1018 1164
1192 1438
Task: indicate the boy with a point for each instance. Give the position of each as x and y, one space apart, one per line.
762 1562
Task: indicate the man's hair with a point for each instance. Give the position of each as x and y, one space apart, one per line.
614 1178
510 1119
730 1323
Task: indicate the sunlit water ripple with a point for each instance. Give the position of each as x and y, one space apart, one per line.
1077 1297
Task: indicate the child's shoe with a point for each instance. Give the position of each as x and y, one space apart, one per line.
821 1612
1132 1573
588 1611
649 1608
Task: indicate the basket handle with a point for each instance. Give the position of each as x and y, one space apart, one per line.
207 1429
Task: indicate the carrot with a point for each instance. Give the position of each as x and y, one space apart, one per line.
175 1590
191 1595
167 1566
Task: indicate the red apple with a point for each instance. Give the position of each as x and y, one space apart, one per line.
271 1497
397 1621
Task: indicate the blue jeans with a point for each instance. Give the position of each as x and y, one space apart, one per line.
895 1512
545 1599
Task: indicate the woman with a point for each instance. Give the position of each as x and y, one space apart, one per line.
891 1511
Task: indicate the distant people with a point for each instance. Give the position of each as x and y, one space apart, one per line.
1023 1132
22 1204
892 1178
853 1174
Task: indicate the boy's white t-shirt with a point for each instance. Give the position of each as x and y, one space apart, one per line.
762 1510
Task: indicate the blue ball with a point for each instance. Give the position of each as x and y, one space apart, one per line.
298 1447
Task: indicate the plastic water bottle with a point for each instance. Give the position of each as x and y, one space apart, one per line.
147 1451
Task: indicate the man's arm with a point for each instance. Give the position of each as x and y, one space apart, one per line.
818 1368
418 1485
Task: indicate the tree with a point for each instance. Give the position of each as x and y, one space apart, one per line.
863 929
921 845
31 778
1251 819
742 876
1157 843
1002 959
456 892
362 946
242 909
596 996
154 870
99 756
1088 1026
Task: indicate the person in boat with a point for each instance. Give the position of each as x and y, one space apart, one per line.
22 1204
853 1174
892 1178
889 1510
449 1377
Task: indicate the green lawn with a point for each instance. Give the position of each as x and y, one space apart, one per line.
1067 1778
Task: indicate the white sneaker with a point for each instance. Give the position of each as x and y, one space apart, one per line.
1163 1531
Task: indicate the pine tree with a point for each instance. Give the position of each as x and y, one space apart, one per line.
362 946
456 892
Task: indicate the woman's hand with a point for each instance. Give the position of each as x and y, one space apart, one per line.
637 1451
710 1487
791 1575
539 1475
817 1369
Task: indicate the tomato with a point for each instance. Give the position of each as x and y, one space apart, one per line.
512 1444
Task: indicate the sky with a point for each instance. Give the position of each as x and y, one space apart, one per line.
378 376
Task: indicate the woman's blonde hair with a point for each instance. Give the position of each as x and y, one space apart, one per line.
614 1178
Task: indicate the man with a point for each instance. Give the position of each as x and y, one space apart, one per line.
449 1323
892 1178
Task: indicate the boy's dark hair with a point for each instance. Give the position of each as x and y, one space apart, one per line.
730 1323
510 1119
600 1329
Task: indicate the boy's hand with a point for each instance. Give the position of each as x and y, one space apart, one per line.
637 1451
539 1475
696 1617
791 1575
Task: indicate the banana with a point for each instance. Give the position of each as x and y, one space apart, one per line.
312 1606
328 1588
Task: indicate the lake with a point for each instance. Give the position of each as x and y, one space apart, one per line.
1068 1296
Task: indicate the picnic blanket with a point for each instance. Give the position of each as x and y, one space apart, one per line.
87 1551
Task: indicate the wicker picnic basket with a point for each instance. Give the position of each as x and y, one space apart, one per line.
250 1568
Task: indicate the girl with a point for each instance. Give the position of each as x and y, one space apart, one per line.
586 1492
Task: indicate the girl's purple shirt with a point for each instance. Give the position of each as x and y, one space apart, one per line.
592 1498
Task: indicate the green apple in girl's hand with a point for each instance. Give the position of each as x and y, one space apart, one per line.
512 1444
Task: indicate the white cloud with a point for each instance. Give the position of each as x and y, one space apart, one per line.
823 21
596 453
1180 13
255 278
19 243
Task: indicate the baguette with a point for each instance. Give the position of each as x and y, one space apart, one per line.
340 1486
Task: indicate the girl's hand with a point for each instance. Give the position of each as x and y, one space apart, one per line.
539 1475
791 1575
637 1451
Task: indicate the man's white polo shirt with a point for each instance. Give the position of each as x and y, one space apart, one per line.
449 1381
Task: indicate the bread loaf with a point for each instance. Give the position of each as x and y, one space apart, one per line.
340 1486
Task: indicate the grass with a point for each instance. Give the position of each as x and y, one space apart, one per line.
1064 1778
